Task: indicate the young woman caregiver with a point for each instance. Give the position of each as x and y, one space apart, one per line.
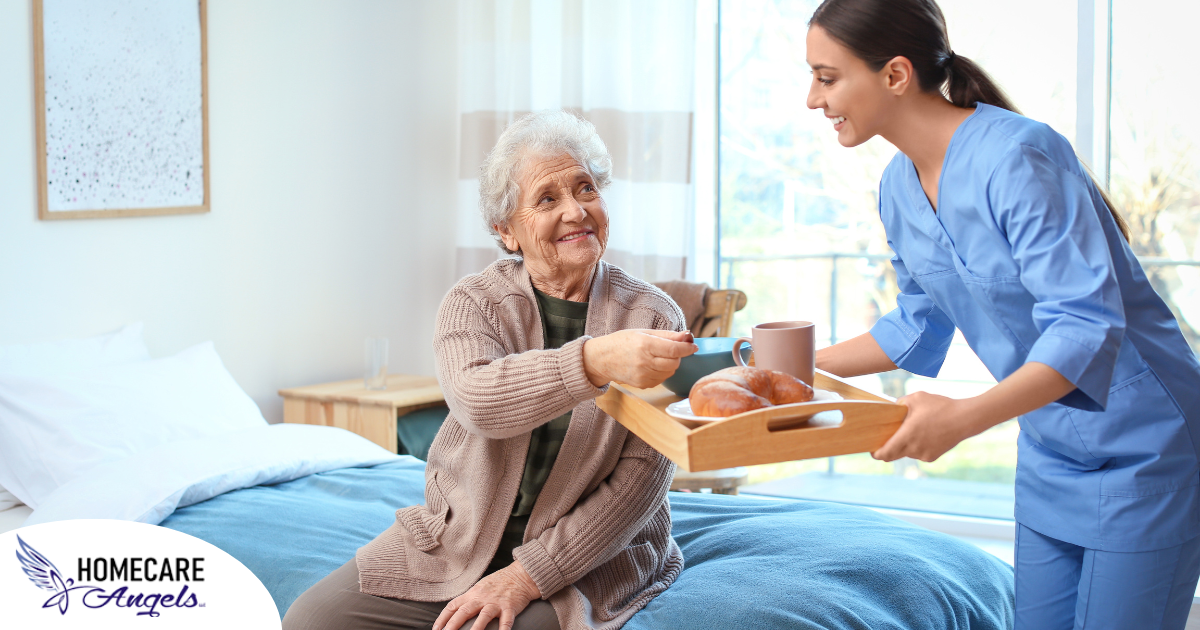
1000 232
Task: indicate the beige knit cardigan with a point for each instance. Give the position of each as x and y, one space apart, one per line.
598 543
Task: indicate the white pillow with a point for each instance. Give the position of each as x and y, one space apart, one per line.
7 500
54 358
70 355
53 429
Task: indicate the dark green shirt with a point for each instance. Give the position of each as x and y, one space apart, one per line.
563 321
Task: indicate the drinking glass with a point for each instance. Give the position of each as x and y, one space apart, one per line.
376 363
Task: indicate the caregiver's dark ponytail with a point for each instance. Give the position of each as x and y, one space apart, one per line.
967 84
878 31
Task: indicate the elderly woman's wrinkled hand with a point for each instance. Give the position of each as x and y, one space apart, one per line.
641 358
501 595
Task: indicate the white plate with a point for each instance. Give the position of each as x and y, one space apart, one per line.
683 408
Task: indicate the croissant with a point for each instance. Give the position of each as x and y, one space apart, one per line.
735 390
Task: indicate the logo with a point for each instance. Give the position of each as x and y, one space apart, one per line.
100 574
42 572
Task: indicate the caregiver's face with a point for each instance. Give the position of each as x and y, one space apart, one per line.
852 97
561 223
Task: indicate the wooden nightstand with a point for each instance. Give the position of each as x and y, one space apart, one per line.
367 412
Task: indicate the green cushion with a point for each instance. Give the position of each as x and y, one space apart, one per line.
416 430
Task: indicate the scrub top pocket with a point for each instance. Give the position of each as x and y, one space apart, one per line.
998 296
1145 435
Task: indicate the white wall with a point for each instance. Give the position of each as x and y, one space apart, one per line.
332 129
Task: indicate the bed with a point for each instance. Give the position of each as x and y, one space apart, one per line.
294 502
749 562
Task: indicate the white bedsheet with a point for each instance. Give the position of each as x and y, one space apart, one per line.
149 486
14 517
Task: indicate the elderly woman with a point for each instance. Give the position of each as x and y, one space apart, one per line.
540 510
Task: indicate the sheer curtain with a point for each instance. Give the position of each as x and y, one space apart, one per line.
627 66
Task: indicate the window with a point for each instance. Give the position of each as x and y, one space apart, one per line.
797 212
1154 138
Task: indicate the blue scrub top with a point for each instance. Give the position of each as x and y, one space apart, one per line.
1025 259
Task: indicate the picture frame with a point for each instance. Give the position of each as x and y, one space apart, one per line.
121 100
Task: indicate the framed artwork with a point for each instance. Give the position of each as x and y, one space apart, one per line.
122 107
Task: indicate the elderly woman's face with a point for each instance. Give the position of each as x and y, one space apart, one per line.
560 224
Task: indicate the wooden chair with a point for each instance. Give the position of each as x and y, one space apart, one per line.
719 307
723 481
716 320
709 312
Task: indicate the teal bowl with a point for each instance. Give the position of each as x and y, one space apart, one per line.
715 353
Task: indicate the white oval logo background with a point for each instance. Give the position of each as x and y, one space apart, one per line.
38 577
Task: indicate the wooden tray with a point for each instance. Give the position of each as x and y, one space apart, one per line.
764 436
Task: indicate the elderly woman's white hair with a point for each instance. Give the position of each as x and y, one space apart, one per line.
544 134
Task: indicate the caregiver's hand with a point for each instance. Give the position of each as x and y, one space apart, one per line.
934 425
641 358
501 595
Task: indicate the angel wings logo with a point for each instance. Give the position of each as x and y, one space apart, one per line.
42 572
45 575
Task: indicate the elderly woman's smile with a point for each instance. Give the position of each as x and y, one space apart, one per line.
575 236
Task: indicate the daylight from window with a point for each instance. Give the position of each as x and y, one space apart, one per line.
1155 170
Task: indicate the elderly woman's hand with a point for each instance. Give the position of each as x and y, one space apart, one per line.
641 358
501 595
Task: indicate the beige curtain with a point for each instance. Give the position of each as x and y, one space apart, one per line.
628 68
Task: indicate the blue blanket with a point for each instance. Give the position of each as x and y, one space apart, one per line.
749 563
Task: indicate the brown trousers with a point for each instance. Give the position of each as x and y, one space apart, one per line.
335 603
